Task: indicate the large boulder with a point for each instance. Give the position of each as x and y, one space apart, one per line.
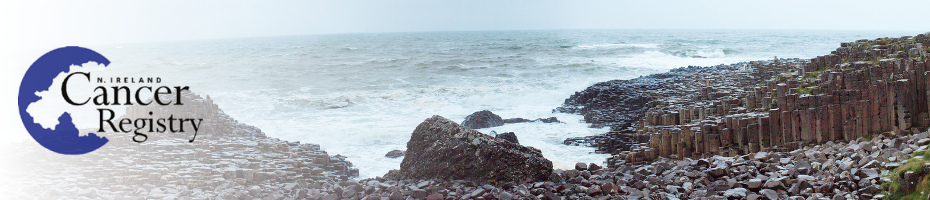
442 149
483 119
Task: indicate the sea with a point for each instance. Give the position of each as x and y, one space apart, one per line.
361 95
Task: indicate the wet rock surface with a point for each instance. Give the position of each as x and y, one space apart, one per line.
395 154
482 119
487 119
509 136
444 150
522 120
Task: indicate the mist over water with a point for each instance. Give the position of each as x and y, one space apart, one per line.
361 95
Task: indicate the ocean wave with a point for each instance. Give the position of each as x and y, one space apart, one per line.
616 46
701 53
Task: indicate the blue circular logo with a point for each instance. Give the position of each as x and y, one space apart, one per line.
64 138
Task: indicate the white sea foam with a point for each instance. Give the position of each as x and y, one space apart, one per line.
615 46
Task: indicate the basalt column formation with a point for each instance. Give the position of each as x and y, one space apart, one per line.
863 88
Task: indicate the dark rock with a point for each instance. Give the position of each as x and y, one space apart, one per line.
549 120
594 191
774 183
608 187
504 195
435 197
871 189
754 183
716 172
572 173
908 181
442 149
522 120
509 136
394 154
418 193
702 163
866 173
482 119
551 196
593 167
516 120
581 166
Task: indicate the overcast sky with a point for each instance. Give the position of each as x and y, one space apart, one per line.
28 29
31 23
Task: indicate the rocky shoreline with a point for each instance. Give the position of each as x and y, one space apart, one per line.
835 127
622 104
778 129
853 170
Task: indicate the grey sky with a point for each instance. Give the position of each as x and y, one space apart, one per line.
28 29
29 23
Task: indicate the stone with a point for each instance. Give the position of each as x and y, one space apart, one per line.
737 193
504 195
581 166
418 193
872 164
593 191
608 187
716 172
570 174
331 197
774 183
516 120
769 194
549 120
754 183
868 173
761 156
435 197
482 119
509 136
593 167
702 163
908 181
395 154
442 149
551 196
923 142
522 120
805 178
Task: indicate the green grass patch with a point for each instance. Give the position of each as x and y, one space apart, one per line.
815 74
893 188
